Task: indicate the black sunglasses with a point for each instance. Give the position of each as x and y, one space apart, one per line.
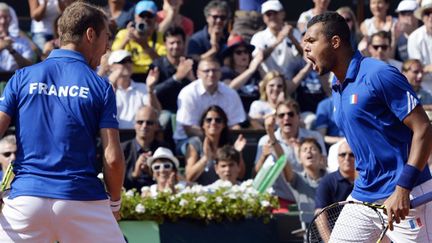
218 120
148 122
221 17
125 60
342 155
383 47
289 114
146 14
7 154
239 52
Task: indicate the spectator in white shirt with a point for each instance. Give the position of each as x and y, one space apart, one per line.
130 95
196 97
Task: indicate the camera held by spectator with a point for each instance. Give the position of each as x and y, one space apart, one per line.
141 27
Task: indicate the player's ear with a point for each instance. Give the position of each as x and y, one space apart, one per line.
335 41
90 34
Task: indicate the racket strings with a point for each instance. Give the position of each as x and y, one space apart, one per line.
341 229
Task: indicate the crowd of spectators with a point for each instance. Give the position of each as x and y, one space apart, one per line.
243 70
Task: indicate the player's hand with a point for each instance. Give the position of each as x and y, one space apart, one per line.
117 215
397 206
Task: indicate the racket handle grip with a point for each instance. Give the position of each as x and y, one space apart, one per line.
418 201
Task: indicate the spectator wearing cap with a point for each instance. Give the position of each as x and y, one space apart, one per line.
420 42
405 25
210 41
170 16
164 168
320 7
240 70
137 150
130 95
176 71
141 37
279 41
15 51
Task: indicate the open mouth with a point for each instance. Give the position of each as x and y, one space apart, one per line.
312 61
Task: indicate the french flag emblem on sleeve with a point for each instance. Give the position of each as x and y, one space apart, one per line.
354 99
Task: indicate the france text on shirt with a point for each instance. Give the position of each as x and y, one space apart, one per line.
61 91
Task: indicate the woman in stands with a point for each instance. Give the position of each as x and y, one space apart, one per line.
240 70
272 89
201 152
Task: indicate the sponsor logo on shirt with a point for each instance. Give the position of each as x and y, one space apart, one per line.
354 99
60 91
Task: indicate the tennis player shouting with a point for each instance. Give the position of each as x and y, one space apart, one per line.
58 107
386 128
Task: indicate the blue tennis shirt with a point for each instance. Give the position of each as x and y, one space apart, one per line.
369 107
58 107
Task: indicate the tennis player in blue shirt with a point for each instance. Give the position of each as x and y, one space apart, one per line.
385 126
58 108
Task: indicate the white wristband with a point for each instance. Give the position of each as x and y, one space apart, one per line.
115 205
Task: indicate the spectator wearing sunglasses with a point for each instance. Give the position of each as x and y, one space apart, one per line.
130 95
379 48
285 140
240 71
7 152
210 41
201 152
195 98
163 167
137 150
141 37
337 186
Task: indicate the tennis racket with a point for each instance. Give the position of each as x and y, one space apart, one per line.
7 178
324 222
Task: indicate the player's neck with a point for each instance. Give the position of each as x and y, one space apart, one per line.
341 68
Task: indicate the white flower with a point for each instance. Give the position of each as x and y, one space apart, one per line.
219 200
251 191
145 189
139 208
129 193
271 191
235 189
201 199
198 189
167 190
183 202
232 196
265 203
247 183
